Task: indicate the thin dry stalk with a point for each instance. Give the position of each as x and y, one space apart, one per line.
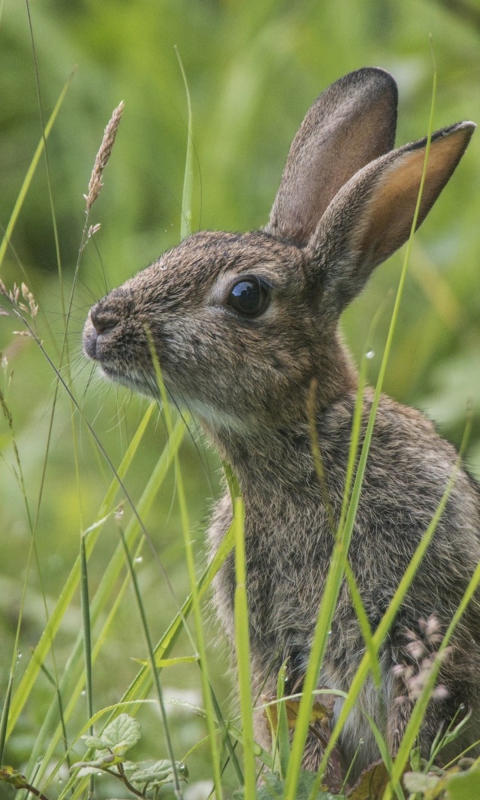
102 156
14 295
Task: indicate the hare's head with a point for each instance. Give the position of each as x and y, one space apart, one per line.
241 323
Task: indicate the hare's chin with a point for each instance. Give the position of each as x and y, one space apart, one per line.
146 384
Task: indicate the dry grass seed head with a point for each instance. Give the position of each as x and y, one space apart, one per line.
101 159
423 651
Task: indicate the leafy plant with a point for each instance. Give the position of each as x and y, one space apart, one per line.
109 756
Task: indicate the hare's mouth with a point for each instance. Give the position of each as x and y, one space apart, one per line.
142 382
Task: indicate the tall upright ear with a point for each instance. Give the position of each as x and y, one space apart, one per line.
350 124
372 215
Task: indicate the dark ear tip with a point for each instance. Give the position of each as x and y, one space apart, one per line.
374 83
468 126
378 77
375 72
463 131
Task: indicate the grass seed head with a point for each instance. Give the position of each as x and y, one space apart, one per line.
422 652
101 159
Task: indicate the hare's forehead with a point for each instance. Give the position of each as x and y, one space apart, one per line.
206 257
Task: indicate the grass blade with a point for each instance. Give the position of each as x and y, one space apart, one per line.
31 171
197 613
186 219
155 675
243 649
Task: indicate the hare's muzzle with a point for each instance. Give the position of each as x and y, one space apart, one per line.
98 328
114 338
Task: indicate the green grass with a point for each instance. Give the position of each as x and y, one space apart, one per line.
73 452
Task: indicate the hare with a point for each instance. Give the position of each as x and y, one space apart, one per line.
242 324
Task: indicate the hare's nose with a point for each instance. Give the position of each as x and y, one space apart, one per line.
100 324
102 320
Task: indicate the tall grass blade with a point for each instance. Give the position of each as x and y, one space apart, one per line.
242 642
363 623
140 686
227 739
72 670
352 460
31 171
186 220
282 737
87 633
151 654
197 614
4 717
87 639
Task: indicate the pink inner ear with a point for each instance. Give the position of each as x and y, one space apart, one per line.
388 216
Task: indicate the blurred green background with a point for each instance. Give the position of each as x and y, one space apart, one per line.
253 69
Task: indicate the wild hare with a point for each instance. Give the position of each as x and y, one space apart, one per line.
242 324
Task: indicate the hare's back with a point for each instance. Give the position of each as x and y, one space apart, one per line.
410 471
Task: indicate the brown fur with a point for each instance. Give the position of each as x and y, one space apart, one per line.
346 201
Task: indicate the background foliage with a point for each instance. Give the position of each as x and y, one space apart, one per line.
253 69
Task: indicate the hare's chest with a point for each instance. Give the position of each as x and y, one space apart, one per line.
287 558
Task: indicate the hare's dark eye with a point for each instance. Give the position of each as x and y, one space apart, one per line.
249 297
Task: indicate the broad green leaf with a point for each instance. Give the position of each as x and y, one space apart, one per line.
159 773
94 741
418 782
102 761
371 783
86 771
464 785
121 733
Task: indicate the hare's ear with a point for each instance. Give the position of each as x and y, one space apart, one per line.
349 125
373 213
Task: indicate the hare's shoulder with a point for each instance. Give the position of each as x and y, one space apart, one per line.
409 467
401 434
406 442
